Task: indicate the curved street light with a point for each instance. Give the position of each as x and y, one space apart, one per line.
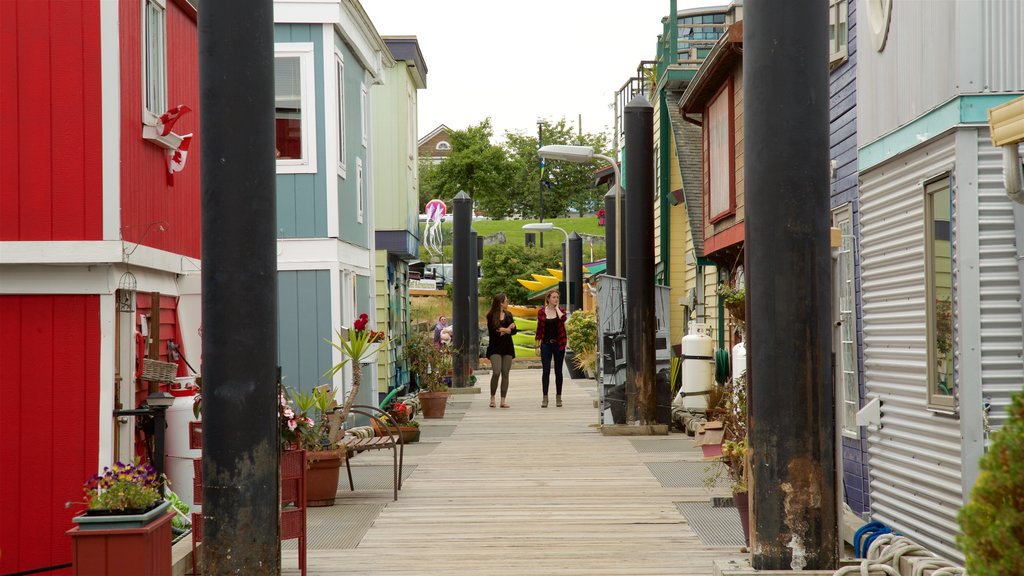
548 227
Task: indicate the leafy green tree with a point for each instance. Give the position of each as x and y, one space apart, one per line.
566 184
993 519
429 184
475 166
503 264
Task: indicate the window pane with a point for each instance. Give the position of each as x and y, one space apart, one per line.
718 144
154 46
942 289
288 106
339 71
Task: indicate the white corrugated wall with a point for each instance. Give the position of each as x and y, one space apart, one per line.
1002 333
915 456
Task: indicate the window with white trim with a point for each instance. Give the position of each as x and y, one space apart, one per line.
360 190
339 79
364 112
939 275
838 30
845 316
294 119
154 60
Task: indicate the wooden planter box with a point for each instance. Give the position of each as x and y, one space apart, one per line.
145 550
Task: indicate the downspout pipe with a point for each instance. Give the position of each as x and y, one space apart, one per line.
1013 176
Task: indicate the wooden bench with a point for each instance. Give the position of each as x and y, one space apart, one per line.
354 445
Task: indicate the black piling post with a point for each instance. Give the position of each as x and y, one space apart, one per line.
474 311
640 321
241 444
463 296
609 232
574 275
786 149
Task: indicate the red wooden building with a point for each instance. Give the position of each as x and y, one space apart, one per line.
86 209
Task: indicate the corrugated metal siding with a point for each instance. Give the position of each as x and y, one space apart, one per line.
304 322
1002 333
50 397
145 196
1002 45
914 458
51 184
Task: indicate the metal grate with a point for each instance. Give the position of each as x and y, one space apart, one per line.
341 526
460 405
682 445
686 474
439 431
714 526
371 477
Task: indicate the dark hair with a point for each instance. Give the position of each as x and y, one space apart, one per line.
494 314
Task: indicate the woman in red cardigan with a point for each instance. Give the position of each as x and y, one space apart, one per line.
551 343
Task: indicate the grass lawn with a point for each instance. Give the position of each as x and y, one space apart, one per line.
516 236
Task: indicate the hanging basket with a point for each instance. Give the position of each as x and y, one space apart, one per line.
737 310
158 371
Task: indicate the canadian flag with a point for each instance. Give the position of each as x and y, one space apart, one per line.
176 159
167 119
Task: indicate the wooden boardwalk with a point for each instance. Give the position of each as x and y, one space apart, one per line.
525 491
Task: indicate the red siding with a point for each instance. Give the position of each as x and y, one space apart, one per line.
146 197
49 394
51 184
168 332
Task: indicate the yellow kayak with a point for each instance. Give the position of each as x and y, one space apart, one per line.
520 311
531 285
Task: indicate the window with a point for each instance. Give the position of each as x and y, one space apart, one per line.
721 158
837 30
339 78
845 316
294 120
154 60
939 290
360 190
442 145
364 109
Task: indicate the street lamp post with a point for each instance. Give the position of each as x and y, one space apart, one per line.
548 227
540 183
583 154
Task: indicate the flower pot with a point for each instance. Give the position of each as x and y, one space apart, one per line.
409 433
742 502
120 519
102 550
575 372
370 356
322 470
433 404
738 310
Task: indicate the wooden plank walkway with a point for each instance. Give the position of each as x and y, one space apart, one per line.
526 491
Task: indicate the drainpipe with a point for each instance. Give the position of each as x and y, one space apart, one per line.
1013 176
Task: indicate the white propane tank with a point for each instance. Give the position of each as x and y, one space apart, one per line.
739 360
698 366
178 463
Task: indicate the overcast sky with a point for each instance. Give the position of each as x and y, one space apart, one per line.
520 60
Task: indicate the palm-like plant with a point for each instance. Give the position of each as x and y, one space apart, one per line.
359 346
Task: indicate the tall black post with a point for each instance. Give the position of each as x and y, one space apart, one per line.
474 311
609 232
540 183
574 276
463 300
622 236
241 446
640 321
786 148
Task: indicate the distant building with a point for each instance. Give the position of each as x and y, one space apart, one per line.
437 145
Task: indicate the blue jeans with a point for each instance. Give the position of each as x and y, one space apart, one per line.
547 351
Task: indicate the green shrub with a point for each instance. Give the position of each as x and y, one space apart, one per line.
992 521
504 264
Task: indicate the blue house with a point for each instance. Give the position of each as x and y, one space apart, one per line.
327 56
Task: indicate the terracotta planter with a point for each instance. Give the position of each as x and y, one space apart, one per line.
322 470
142 550
433 404
410 434
742 502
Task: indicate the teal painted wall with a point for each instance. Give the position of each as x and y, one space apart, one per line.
304 321
350 230
302 198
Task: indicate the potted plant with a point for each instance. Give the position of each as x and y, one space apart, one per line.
305 425
398 414
734 299
731 412
127 518
434 388
581 333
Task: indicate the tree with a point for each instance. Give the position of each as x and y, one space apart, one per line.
475 166
503 264
566 184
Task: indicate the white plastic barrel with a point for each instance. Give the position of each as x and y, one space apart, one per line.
178 462
739 360
698 366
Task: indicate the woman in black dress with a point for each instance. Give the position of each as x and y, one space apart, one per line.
500 348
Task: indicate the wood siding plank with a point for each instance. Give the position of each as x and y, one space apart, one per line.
34 90
10 151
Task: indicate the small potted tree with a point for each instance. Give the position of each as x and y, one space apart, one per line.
581 333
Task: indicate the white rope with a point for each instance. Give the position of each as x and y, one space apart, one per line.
885 553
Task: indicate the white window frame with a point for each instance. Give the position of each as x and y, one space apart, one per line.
360 191
845 316
721 154
339 101
307 100
838 19
364 112
151 111
939 402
